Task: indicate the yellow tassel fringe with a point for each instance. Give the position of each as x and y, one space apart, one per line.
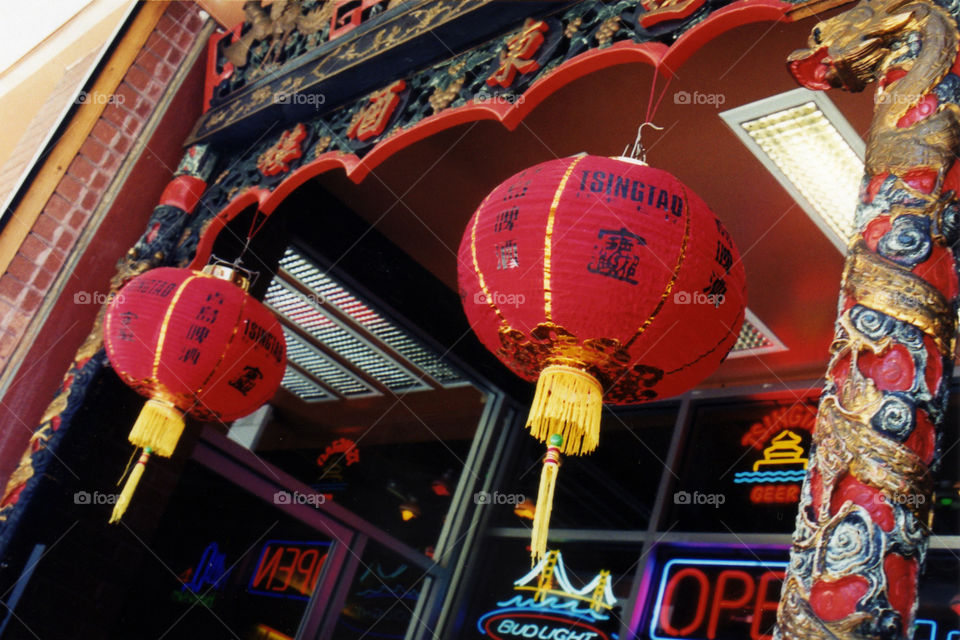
568 402
123 501
541 519
158 428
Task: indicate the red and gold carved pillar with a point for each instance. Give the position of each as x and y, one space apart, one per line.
862 529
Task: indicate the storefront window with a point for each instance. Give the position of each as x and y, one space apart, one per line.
382 596
946 473
742 466
224 564
612 488
402 487
369 415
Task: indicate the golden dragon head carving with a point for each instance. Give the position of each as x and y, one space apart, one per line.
847 50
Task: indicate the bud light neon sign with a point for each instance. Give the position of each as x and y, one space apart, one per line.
549 607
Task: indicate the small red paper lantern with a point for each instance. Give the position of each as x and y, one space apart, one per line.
603 280
193 343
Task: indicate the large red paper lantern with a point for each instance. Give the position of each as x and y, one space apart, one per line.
603 280
193 343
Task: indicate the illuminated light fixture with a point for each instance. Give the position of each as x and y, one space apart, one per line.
442 485
409 510
754 339
526 509
812 151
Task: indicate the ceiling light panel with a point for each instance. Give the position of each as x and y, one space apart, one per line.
328 291
320 366
308 316
302 387
754 339
812 151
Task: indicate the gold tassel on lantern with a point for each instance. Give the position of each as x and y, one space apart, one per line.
568 402
158 427
123 500
548 484
157 430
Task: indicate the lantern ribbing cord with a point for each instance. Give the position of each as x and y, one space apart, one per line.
253 231
652 114
638 149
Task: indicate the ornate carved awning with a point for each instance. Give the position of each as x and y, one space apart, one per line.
370 55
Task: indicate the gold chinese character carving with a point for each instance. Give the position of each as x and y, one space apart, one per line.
277 158
371 120
517 56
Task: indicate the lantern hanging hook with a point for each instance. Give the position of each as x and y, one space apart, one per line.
639 152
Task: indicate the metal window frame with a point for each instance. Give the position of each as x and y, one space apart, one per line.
350 532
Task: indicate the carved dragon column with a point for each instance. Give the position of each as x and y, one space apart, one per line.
862 528
156 247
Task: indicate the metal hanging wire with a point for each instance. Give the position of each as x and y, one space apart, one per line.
639 152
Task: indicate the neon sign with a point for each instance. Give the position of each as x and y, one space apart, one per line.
288 569
555 609
708 599
345 446
211 570
784 463
797 417
702 599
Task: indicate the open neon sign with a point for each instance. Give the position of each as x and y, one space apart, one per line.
288 569
701 599
706 599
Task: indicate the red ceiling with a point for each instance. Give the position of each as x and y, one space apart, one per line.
422 197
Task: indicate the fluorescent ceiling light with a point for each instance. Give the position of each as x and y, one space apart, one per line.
812 151
754 339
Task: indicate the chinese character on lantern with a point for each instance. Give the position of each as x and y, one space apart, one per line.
372 119
508 256
614 257
517 56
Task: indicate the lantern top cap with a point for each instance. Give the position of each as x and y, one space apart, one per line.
631 160
228 272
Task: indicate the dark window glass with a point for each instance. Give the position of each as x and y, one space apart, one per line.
742 467
612 488
382 596
223 564
946 473
404 487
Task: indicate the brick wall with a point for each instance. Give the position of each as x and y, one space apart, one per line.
54 234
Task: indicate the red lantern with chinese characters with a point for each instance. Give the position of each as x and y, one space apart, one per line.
193 343
603 280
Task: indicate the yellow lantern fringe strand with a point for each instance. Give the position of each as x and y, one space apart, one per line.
568 402
157 430
123 501
548 485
